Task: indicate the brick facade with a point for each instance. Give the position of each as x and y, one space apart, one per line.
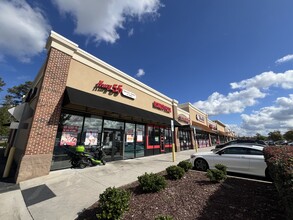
39 149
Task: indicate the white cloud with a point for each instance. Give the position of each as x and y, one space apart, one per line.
267 119
284 59
140 73
234 102
250 91
24 30
101 19
130 32
266 80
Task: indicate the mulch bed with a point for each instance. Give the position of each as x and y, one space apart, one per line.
195 197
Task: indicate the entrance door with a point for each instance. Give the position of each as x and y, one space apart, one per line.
113 144
134 141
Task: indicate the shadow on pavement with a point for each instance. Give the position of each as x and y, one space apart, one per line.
7 184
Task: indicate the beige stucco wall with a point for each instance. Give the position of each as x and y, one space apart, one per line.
184 113
220 128
193 112
84 78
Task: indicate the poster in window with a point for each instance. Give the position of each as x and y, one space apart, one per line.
91 137
139 137
69 136
130 138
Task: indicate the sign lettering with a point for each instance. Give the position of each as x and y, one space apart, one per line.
161 107
108 87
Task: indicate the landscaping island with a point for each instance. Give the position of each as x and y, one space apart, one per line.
196 197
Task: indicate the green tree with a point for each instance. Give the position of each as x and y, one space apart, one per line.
5 118
275 136
15 94
260 137
4 115
288 135
2 83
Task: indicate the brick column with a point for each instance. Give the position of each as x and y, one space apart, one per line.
37 157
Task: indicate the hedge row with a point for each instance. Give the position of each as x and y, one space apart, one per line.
280 164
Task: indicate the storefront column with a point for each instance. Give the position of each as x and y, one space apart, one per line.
177 142
210 140
192 139
35 159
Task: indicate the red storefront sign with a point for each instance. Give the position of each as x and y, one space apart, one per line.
183 118
115 88
161 107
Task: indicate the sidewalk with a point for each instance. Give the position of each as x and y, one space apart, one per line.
63 194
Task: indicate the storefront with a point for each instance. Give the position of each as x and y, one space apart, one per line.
184 134
198 120
77 99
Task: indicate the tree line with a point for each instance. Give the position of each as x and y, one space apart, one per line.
12 98
274 136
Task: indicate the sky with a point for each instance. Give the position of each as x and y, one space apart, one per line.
232 59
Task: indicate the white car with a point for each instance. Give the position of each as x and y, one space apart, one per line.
246 159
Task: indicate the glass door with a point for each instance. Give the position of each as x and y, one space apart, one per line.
129 150
140 141
113 144
134 141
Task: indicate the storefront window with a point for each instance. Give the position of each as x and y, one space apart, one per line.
92 131
68 136
119 125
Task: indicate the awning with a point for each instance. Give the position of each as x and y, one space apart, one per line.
77 97
17 111
202 127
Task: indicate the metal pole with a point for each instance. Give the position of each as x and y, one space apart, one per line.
194 132
173 145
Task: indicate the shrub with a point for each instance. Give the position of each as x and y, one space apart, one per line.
113 203
164 217
174 172
280 164
152 182
186 165
221 167
217 175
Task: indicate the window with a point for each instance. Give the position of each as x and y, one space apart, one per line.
255 152
119 125
91 135
234 150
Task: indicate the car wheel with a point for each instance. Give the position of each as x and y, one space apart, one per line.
201 164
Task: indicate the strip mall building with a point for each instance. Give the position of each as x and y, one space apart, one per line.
77 99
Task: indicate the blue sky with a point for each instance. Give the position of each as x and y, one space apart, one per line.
230 58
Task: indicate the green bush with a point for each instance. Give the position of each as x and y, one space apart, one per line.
174 172
222 168
113 203
186 165
152 182
217 175
164 217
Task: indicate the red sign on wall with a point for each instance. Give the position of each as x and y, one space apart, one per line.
115 88
161 107
183 118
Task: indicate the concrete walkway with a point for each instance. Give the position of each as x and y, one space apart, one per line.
63 194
